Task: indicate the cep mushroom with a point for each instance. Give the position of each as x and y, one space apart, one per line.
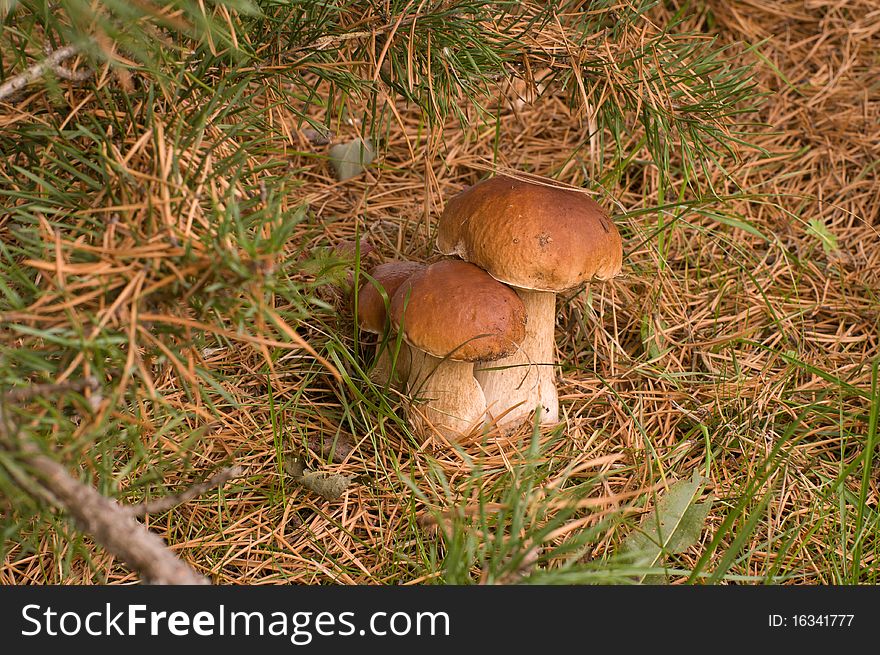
452 314
372 317
541 240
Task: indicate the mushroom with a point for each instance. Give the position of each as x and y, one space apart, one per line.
540 240
372 315
452 314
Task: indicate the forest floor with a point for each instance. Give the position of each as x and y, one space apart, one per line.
737 344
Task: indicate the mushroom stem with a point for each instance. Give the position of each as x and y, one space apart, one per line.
515 385
446 397
387 370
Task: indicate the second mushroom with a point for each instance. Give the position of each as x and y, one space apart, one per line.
452 314
373 300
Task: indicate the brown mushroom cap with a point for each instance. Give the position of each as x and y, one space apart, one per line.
371 304
531 236
454 309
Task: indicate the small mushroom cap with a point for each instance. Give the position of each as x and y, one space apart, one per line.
531 236
371 304
455 309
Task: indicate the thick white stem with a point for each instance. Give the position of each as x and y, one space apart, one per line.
516 385
445 396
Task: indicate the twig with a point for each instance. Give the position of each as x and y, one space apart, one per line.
329 40
526 565
442 522
73 76
112 525
51 62
26 393
160 505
